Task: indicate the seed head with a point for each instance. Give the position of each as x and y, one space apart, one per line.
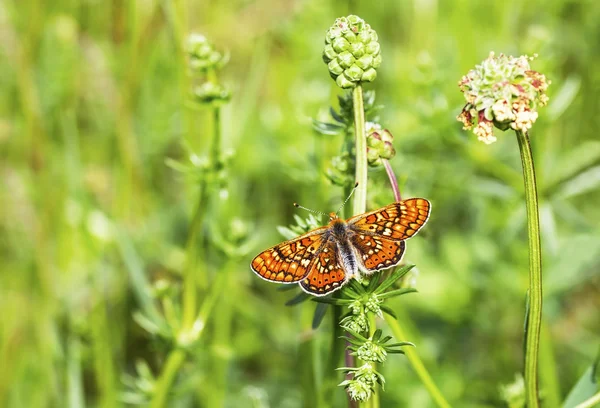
503 92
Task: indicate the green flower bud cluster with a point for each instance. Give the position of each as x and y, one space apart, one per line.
363 382
352 51
372 304
202 54
356 322
204 61
503 92
210 92
371 351
379 144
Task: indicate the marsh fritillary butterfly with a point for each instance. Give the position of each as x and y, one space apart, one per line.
324 259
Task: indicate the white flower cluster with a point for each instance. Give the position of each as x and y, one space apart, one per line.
504 92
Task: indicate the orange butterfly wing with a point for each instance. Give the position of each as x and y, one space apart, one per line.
326 273
290 261
375 252
396 221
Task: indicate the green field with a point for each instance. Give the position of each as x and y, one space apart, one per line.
130 211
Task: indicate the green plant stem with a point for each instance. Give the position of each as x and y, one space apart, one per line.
177 356
595 400
534 318
374 401
170 369
360 195
359 204
417 364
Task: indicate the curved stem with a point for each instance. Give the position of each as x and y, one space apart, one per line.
359 204
417 364
534 317
393 179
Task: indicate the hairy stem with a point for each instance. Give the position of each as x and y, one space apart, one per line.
534 317
360 195
359 204
417 364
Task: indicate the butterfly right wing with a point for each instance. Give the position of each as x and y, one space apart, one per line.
290 261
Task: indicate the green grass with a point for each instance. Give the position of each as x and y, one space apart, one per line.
93 102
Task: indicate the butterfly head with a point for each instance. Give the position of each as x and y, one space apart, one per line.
333 217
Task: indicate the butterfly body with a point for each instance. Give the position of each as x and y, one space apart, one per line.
323 260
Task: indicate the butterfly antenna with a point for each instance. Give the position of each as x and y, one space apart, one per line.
309 210
348 198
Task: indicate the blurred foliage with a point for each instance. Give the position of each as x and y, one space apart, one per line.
93 104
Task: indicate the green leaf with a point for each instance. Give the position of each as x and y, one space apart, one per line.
357 335
373 282
327 128
397 292
398 273
299 298
401 344
377 335
584 182
332 301
585 388
336 116
564 97
320 311
286 232
574 162
356 287
352 340
389 311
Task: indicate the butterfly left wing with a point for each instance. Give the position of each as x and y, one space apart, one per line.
291 260
326 272
396 221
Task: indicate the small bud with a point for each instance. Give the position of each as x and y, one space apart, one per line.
209 93
202 54
379 145
354 73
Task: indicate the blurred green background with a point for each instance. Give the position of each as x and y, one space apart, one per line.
92 105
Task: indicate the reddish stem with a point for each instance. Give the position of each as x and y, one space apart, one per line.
393 179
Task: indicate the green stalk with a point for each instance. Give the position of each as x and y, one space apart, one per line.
163 385
374 401
359 204
534 317
190 314
417 364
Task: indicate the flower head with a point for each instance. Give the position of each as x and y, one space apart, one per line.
351 51
503 92
202 54
362 385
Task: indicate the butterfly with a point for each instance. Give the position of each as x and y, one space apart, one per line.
324 259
